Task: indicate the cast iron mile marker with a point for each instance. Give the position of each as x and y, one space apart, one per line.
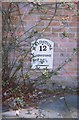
42 54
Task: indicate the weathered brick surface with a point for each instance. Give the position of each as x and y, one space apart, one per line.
63 46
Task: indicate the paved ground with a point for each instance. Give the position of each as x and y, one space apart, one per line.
49 108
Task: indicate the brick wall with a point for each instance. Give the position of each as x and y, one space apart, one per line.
64 20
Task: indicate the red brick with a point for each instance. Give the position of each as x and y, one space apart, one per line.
71 35
45 29
73 24
47 17
5 4
74 18
29 17
59 12
77 18
55 23
41 24
74 29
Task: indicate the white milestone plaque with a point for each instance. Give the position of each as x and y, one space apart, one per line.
42 54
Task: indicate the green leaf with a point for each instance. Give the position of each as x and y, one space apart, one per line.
64 34
26 76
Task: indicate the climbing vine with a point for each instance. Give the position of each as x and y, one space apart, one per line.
15 78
